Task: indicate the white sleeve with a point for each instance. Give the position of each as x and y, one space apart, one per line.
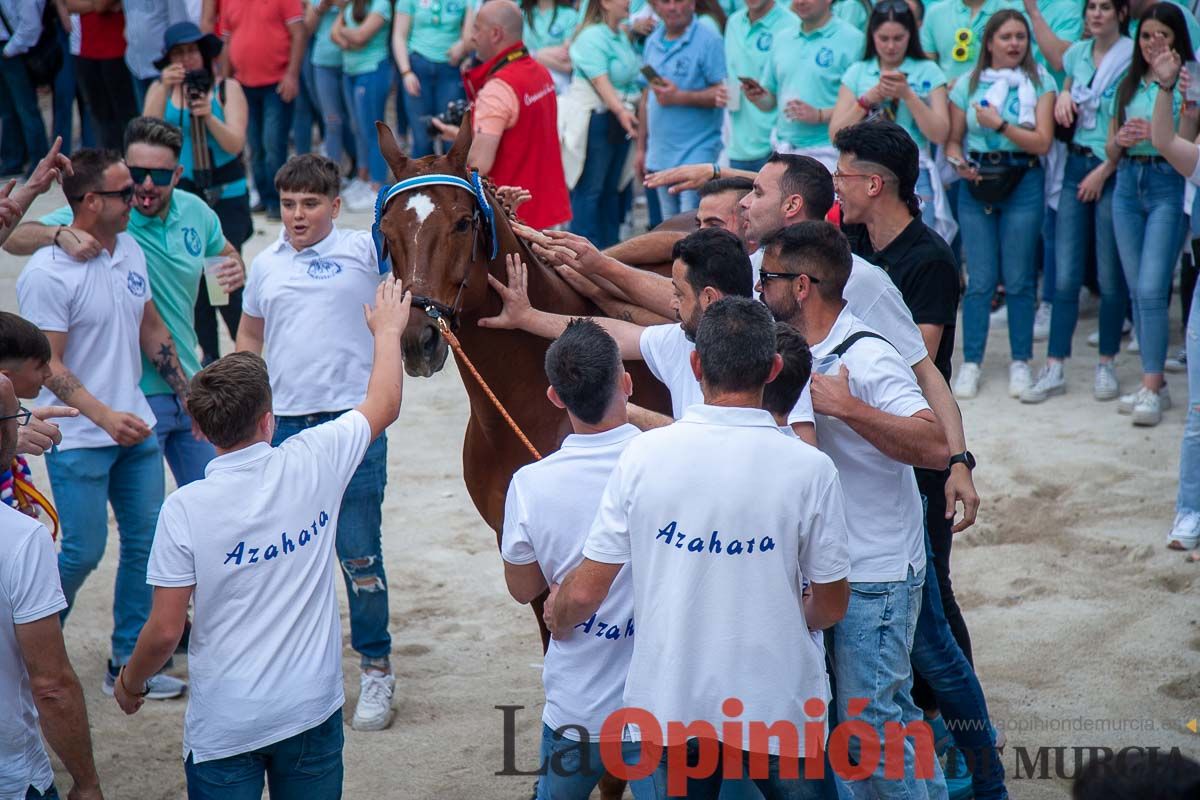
31 579
172 562
608 540
515 544
339 444
803 410
656 346
874 299
824 546
883 381
45 299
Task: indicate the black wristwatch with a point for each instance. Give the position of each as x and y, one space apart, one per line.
964 457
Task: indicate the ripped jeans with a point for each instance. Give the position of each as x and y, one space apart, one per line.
359 544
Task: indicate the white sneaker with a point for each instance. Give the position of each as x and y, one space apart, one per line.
1020 378
374 709
1185 533
999 317
1106 385
1133 345
1128 401
1177 362
1147 408
1041 322
966 382
1050 381
159 687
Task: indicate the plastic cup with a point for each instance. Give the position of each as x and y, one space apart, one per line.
217 296
733 88
1193 91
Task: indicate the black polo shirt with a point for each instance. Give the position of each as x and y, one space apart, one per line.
925 271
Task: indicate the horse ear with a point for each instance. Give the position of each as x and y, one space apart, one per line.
390 149
462 143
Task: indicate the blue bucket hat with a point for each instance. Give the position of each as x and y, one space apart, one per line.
187 33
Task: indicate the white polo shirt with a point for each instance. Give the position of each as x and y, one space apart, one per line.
255 537
550 506
29 591
717 559
883 508
317 345
99 305
667 351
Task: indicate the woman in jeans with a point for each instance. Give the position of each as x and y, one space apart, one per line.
327 83
603 57
429 40
361 30
1148 203
1001 121
1093 67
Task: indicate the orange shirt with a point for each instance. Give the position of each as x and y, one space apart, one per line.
256 32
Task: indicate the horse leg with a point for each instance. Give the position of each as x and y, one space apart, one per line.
539 605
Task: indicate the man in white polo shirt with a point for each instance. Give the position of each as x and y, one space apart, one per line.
100 317
718 516
252 544
875 425
302 310
549 508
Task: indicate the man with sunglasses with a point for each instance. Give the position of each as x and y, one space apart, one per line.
177 232
99 315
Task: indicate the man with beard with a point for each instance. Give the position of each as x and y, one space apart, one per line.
177 232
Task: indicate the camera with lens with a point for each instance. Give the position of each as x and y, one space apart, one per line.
196 84
455 111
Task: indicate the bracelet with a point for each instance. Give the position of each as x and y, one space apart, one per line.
404 72
863 104
1003 125
716 171
59 231
1170 88
121 678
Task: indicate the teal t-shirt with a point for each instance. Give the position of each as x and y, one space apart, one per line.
599 50
1077 62
550 28
175 250
436 26
730 6
1141 106
748 49
809 67
986 140
924 76
852 11
951 36
1065 18
324 52
366 58
182 119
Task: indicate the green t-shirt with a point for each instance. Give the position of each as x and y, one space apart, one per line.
748 49
986 140
1141 106
436 26
809 67
950 35
924 76
366 58
852 11
175 249
324 52
599 50
1077 62
1065 18
550 29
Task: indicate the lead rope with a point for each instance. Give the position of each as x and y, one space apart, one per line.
452 340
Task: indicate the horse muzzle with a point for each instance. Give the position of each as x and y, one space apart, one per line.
424 348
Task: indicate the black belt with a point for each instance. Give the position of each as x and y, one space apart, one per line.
1146 159
1008 158
1080 150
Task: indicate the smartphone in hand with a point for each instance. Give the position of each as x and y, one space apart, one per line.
651 75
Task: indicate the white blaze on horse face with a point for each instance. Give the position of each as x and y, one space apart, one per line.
420 204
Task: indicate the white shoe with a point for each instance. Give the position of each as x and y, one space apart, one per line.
1050 381
1041 322
1185 533
999 317
159 687
1177 362
359 198
1133 345
1147 409
374 709
966 382
1020 378
1106 385
1128 401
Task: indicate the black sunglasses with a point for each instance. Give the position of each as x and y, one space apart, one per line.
764 276
159 176
21 416
125 194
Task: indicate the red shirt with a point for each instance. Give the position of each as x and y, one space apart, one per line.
102 35
256 32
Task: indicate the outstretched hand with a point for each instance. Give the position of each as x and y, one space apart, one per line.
689 177
392 307
515 295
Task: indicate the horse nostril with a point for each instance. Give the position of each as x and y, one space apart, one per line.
429 341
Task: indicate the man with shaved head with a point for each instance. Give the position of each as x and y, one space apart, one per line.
514 116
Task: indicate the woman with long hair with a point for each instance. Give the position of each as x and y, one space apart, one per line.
1001 122
361 30
895 80
1084 226
549 25
430 38
1148 202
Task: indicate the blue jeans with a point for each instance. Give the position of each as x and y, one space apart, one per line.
871 647
335 109
1049 255
568 778
368 94
24 103
1081 229
772 787
941 662
84 481
66 92
306 112
1189 453
749 164
595 202
1148 201
673 204
186 456
1000 240
359 546
440 85
307 766
51 793
269 126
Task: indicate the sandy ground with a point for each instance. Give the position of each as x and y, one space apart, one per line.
1086 629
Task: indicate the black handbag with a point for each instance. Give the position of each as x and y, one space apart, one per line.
1066 133
996 182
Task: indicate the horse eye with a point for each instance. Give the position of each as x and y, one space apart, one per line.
462 225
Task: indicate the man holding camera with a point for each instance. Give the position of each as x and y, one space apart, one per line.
515 116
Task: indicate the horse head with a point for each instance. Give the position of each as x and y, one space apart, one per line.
439 247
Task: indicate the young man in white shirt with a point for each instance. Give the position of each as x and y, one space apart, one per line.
874 423
99 316
37 683
711 552
549 508
302 310
265 654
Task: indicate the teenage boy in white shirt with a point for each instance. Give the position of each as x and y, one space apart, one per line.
252 544
874 423
302 311
550 505
716 562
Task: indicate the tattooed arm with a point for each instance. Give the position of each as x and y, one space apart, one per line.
159 347
125 429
